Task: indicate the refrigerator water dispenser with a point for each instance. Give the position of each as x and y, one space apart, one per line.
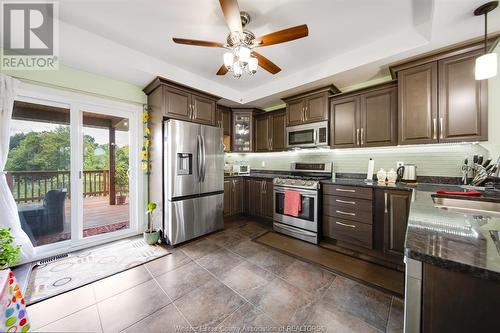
184 164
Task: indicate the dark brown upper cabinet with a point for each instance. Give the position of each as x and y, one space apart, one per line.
270 131
417 88
223 120
463 104
440 100
181 102
309 107
365 118
344 122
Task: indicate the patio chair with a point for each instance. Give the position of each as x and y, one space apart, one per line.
54 215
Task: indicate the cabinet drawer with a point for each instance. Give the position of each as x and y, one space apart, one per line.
349 191
353 214
348 203
348 231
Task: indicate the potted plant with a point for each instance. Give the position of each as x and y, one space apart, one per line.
151 236
9 253
121 182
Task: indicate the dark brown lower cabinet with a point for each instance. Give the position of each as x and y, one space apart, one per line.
260 198
396 211
458 302
233 196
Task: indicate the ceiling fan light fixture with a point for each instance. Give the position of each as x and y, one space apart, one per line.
237 71
486 66
243 54
228 59
253 63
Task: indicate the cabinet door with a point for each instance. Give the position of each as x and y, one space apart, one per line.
228 193
316 108
295 112
226 122
262 133
177 103
267 199
255 204
278 136
203 110
396 210
463 113
344 122
417 110
378 118
237 204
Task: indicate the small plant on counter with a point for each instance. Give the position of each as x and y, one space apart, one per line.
9 253
151 236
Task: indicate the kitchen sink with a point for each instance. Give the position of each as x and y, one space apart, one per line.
467 206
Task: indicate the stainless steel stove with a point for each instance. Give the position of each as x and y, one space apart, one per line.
305 178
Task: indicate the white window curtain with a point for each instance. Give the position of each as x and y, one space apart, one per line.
8 209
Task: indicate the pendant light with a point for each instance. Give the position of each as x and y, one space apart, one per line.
486 65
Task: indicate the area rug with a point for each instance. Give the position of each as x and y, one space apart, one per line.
361 270
89 265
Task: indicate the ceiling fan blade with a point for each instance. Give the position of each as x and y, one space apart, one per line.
231 12
282 36
222 70
267 64
195 42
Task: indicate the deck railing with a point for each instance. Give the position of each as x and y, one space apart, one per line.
31 186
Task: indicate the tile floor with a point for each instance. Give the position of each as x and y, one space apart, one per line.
225 282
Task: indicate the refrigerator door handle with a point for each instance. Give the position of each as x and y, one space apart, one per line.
204 165
199 157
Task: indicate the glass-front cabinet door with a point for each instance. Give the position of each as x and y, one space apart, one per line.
242 131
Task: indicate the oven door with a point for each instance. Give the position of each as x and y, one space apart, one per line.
308 216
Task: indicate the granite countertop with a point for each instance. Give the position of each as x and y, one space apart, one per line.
456 240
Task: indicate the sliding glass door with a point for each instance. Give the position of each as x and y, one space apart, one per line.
39 170
72 169
106 173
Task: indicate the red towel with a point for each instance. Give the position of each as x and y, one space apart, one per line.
472 193
293 203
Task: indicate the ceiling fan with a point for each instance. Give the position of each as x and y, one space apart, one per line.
241 43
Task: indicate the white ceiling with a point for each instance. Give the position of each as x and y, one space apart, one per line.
349 41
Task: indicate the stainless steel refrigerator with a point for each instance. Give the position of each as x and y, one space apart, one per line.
193 180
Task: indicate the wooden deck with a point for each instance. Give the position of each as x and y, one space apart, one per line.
98 217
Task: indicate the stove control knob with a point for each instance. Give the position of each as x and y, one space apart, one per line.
309 183
292 182
303 182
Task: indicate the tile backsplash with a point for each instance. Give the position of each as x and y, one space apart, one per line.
431 160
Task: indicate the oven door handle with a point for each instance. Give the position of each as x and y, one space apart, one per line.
305 193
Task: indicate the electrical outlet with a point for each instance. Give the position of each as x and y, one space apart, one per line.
398 164
263 164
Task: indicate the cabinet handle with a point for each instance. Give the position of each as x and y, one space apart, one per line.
385 200
357 136
271 146
345 224
342 190
234 185
194 111
441 128
434 121
362 136
305 113
344 213
346 202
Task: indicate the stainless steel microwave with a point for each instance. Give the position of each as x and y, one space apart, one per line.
307 135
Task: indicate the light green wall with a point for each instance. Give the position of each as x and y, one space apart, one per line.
73 79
